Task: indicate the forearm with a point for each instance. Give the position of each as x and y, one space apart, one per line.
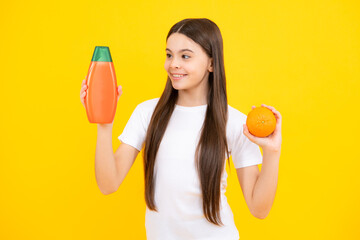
266 184
105 169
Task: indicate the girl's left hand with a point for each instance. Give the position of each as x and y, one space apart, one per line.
271 142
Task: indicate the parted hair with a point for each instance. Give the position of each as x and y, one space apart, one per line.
212 149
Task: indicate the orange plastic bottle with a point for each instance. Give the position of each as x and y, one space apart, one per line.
101 97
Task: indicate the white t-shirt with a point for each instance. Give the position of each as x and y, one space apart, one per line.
178 195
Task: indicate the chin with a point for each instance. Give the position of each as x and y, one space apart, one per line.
176 86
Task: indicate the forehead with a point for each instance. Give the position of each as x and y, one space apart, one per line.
178 41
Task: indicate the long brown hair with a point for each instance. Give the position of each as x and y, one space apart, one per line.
212 147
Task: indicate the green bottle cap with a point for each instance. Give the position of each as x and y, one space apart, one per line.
101 54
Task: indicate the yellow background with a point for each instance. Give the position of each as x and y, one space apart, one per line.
302 57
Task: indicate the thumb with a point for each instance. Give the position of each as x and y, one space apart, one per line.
119 91
248 134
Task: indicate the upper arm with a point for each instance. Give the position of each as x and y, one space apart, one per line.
247 177
125 157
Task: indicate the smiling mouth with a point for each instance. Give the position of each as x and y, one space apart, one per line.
178 76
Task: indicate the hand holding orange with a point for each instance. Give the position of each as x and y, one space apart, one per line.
261 122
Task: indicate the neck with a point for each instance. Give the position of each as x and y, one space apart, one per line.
192 97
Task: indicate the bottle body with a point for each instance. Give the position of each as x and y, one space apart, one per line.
101 98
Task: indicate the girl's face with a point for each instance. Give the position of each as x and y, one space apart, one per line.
188 59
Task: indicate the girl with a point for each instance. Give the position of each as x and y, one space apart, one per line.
187 135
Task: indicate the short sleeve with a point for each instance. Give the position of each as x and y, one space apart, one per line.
134 132
244 152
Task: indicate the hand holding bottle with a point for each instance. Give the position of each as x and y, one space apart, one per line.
83 92
84 88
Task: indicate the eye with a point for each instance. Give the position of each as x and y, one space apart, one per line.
185 56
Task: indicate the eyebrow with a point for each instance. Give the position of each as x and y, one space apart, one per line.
182 50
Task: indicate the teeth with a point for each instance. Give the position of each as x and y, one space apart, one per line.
178 75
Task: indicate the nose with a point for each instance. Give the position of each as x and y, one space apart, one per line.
174 63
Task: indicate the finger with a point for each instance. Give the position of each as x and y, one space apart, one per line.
279 121
119 92
277 113
277 116
269 107
252 107
82 99
82 91
248 134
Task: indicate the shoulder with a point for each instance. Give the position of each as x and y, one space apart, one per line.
234 126
145 109
148 104
235 116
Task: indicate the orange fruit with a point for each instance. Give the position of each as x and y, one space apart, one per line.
261 122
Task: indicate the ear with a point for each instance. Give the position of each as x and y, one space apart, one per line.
211 65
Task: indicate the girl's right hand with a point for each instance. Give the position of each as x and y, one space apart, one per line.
83 92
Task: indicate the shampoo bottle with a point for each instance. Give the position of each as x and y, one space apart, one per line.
101 97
